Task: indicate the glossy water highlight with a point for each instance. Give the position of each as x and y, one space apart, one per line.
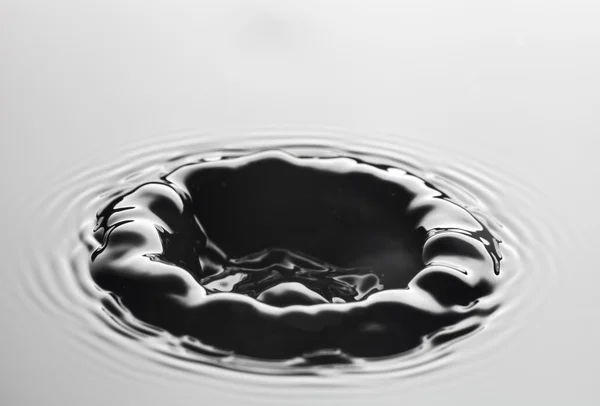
468 316
277 256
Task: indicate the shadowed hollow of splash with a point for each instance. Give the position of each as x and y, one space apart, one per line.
273 256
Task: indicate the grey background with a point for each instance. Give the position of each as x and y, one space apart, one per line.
514 82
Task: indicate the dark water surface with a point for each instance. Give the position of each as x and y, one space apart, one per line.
236 252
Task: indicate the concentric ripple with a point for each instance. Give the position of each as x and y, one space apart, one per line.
289 253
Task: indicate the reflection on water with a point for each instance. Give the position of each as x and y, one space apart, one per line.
379 260
505 93
387 260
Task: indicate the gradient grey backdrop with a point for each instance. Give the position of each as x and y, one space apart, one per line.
516 82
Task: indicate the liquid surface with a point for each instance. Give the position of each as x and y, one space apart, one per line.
493 103
382 263
235 252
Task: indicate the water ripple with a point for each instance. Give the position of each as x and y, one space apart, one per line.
56 279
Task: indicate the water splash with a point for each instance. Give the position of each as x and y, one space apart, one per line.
233 251
56 280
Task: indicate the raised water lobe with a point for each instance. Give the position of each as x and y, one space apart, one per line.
276 256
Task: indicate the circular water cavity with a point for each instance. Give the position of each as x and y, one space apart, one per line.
278 256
